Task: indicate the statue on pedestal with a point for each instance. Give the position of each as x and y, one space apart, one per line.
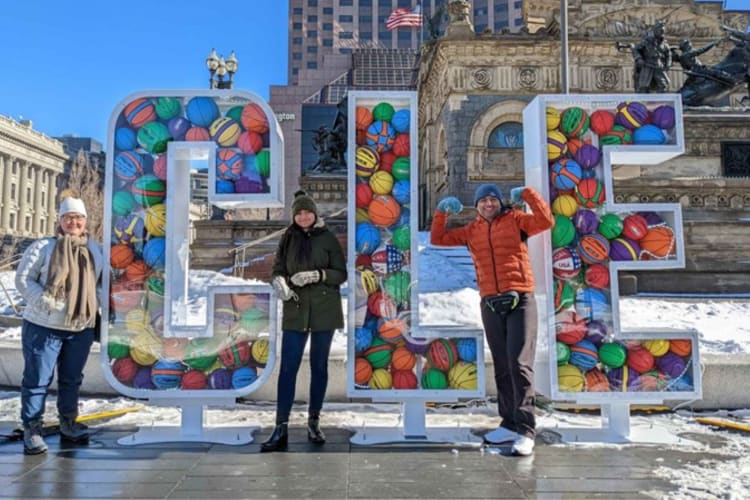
652 59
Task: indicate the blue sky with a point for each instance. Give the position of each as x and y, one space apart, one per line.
68 63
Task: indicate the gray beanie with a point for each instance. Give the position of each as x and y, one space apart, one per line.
303 202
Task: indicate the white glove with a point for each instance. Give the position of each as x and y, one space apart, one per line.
282 289
303 278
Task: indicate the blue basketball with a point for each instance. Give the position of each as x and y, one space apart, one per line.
128 165
649 134
401 120
167 374
401 191
362 338
178 127
584 355
367 238
125 139
566 174
130 229
242 377
153 253
467 349
592 304
403 219
224 186
202 111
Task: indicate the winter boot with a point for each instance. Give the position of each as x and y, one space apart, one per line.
314 434
33 442
72 431
278 440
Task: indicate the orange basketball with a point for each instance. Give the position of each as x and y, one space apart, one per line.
403 359
596 381
362 371
174 348
137 271
120 256
384 211
681 347
574 145
254 119
361 137
401 146
659 241
363 118
392 330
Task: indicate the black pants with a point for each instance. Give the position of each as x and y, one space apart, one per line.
512 341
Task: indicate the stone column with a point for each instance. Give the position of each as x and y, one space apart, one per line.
51 208
8 180
36 224
23 205
3 201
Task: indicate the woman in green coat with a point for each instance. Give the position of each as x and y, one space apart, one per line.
308 270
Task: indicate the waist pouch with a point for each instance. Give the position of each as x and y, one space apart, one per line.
502 304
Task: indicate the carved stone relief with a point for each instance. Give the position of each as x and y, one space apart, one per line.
606 78
481 78
528 78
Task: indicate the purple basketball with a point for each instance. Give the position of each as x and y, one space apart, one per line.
652 218
220 379
588 156
663 117
586 221
631 114
596 331
671 364
622 379
649 135
178 127
624 249
251 182
417 346
142 378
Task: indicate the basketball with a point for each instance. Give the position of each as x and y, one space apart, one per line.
120 256
224 186
130 229
601 121
442 354
574 145
153 137
234 353
631 114
381 305
369 281
565 263
585 221
649 135
201 353
167 107
125 139
564 205
250 143
154 253
634 226
590 193
593 248
663 117
220 379
362 118
592 304
671 364
574 121
658 242
160 167
401 121
253 320
197 134
243 301
556 145
401 169
563 232
174 348
366 161
623 249
142 379
137 271
564 295
380 136
657 347
622 379
610 226
584 355
128 165
254 119
570 379
367 238
596 332
124 296
652 218
640 359
398 286
379 353
148 190
569 327
118 346
402 237
178 127
562 352
467 349
242 377
362 371
433 378
139 112
403 359
383 112
463 376
566 174
202 111
681 347
156 219
225 131
381 182
597 276
616 135
124 370
362 339
194 380
380 379
612 354
553 118
401 145
587 156
229 164
596 381
135 320
145 348
263 163
383 210
392 330
122 203
404 379
386 160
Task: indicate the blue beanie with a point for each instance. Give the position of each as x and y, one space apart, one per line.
486 190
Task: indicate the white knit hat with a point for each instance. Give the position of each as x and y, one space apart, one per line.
72 205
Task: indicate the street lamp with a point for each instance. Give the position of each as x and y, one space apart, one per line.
218 69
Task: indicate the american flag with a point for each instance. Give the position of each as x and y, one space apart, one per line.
404 17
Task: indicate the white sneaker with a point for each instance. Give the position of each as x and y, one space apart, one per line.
500 435
523 446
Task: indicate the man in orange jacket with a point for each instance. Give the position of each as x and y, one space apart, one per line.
497 243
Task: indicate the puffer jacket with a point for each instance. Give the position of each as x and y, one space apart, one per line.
319 307
500 254
31 278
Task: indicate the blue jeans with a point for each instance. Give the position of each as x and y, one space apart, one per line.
292 347
43 350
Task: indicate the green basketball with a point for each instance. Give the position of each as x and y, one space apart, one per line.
153 137
382 112
123 203
402 238
563 353
167 107
401 169
253 320
118 347
434 379
612 355
148 190
397 286
563 232
235 114
574 122
617 135
610 226
263 163
200 354
379 353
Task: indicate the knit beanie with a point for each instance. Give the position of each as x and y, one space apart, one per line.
486 190
72 204
303 202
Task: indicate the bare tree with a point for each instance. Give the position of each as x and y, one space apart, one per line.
85 178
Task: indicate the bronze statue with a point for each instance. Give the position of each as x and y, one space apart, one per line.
652 59
330 143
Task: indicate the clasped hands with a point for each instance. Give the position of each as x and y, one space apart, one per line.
300 279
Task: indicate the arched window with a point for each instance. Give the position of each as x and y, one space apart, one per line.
506 135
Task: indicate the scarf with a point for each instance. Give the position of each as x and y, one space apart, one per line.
72 278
